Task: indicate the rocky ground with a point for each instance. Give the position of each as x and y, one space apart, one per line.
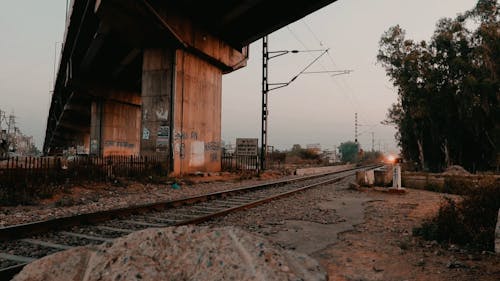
354 234
91 197
365 235
177 253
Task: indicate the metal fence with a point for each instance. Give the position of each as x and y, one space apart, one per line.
232 162
32 176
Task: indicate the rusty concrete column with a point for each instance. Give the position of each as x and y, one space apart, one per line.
198 109
115 124
157 87
96 127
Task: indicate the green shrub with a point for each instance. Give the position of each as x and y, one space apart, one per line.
470 222
458 185
433 187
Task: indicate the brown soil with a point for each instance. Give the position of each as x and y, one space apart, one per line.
383 247
92 191
365 235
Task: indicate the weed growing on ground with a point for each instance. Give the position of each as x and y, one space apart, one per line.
470 222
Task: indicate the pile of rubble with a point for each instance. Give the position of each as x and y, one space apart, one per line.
177 253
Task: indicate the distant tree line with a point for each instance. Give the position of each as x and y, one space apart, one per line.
352 152
447 112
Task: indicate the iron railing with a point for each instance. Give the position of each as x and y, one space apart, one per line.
232 162
29 177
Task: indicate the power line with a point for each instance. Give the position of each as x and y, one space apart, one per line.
312 32
352 98
335 81
345 87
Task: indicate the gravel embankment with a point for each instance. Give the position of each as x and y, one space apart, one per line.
270 218
92 198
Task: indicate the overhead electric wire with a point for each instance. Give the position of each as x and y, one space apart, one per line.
348 98
346 89
352 96
312 32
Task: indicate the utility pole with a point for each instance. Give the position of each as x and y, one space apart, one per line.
356 127
265 91
373 141
266 56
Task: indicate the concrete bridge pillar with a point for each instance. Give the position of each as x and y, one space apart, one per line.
181 110
197 119
115 124
157 89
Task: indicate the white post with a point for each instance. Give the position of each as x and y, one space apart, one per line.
396 176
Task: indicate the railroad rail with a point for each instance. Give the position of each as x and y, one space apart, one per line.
24 243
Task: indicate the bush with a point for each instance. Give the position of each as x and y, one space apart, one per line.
458 185
470 222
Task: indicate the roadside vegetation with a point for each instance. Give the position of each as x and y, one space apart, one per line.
448 91
348 152
470 222
447 114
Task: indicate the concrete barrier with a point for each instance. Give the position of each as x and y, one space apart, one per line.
365 178
440 182
497 235
321 170
422 181
383 177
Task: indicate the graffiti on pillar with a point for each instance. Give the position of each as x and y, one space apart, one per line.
163 139
94 146
182 150
194 135
145 134
214 157
81 149
145 114
162 115
180 135
213 146
124 144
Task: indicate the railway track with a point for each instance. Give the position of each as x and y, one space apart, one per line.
22 244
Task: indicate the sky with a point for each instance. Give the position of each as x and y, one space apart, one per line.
315 108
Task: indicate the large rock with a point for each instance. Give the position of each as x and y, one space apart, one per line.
176 253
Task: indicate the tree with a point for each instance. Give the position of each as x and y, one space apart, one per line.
349 151
448 90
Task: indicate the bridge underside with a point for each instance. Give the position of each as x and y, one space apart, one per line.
144 76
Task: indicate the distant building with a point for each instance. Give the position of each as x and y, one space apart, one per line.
331 156
314 148
228 148
12 141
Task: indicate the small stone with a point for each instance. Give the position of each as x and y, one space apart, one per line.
456 264
377 269
421 262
